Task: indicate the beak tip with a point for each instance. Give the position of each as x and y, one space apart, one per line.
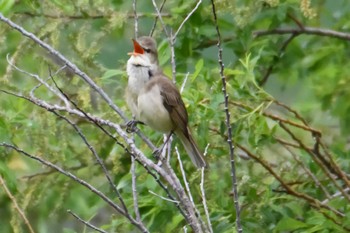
137 47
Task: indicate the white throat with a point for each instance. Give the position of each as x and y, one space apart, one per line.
138 68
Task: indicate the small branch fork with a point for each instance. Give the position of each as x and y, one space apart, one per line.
228 123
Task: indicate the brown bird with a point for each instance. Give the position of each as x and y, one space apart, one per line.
154 99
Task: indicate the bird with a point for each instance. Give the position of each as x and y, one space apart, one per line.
155 100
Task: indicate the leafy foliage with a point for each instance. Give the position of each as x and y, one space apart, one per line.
287 155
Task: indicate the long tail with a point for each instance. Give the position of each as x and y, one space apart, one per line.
191 148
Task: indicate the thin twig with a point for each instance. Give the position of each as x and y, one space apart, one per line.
312 201
163 198
92 149
49 172
41 81
278 118
88 16
188 190
326 168
183 173
86 223
160 18
305 30
15 204
134 190
135 18
337 194
228 123
80 181
276 59
156 19
133 163
204 200
184 82
187 17
173 60
310 174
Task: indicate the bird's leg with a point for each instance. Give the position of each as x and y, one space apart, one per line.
131 125
157 152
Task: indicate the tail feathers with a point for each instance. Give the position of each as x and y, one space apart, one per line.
192 149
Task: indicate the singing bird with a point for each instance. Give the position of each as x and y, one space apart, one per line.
155 100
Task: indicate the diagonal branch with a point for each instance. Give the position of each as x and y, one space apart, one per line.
76 70
304 30
16 206
85 222
80 181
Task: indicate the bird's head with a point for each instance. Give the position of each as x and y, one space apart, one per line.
138 57
149 46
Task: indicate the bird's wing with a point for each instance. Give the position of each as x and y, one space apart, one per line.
172 101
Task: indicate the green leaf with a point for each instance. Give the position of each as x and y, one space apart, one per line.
4 133
290 224
111 73
6 5
198 68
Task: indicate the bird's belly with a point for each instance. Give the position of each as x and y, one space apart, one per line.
152 112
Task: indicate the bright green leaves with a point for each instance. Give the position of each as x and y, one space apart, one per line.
289 224
6 5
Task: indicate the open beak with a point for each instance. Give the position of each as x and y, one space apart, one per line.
138 50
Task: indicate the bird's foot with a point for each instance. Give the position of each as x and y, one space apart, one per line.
131 125
157 153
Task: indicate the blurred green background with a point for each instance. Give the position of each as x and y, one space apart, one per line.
311 76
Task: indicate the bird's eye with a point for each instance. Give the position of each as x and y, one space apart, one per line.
147 50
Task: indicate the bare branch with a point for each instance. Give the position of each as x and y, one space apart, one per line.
228 124
184 82
173 61
136 27
312 201
308 172
163 198
337 194
183 173
87 17
134 190
204 199
156 19
276 59
86 223
319 159
97 157
304 30
15 204
187 17
160 18
80 181
41 81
